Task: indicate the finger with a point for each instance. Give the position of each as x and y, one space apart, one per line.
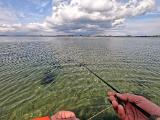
70 114
121 112
115 104
64 115
111 93
67 115
112 98
59 115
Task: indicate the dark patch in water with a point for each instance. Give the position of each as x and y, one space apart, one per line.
49 77
51 74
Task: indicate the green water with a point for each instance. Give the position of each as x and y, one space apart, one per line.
38 76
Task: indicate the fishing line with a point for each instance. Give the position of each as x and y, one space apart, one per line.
99 113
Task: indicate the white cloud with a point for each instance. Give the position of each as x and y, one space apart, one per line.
87 16
118 22
7 16
77 15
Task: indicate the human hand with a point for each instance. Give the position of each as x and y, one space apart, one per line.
64 115
129 112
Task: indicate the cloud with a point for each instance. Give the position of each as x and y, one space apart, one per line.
86 16
104 14
6 15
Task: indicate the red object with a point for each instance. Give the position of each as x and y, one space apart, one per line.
62 115
42 118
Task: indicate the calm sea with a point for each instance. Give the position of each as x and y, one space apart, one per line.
41 75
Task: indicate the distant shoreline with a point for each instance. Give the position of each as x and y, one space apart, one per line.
73 36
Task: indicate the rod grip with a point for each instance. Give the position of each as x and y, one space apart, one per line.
134 105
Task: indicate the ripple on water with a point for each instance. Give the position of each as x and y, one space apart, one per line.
129 64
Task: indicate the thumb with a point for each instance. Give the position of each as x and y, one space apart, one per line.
122 97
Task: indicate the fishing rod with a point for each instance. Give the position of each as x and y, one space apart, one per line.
113 88
100 78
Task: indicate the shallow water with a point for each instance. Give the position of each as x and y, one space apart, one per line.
39 76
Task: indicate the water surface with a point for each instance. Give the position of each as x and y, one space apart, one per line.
40 76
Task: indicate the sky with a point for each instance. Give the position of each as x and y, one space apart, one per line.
79 17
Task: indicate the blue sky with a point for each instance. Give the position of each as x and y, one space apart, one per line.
28 10
104 17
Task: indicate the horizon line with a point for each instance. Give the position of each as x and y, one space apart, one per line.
79 35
